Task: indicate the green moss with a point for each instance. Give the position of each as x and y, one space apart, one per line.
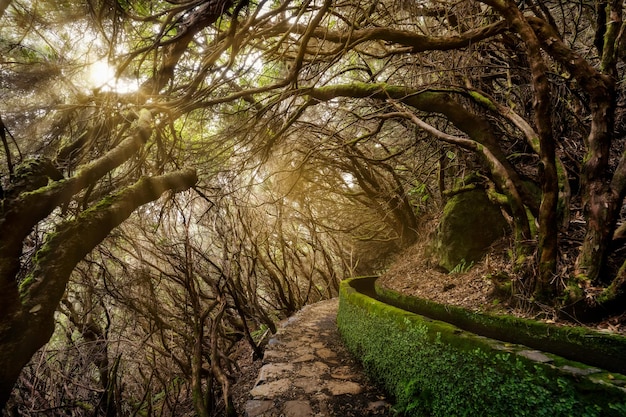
434 369
576 343
470 224
531 222
497 198
484 101
106 202
25 285
614 290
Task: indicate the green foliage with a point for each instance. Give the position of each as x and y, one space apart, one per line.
462 267
420 192
433 369
260 333
25 284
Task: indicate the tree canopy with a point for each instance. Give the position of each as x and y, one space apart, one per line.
178 175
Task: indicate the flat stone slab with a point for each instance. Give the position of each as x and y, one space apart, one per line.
298 408
580 371
325 353
271 389
308 385
255 408
535 355
343 387
314 369
305 358
272 371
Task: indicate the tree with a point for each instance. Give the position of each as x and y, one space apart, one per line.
32 292
330 116
492 109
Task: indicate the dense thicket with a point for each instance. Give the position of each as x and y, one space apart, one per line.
179 175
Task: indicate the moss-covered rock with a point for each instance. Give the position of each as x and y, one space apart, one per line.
470 224
433 368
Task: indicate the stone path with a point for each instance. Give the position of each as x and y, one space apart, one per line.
307 371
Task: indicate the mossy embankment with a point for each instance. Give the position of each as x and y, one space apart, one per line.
433 368
607 351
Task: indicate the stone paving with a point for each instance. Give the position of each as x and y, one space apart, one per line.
308 372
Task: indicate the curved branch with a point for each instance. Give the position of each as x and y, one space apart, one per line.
496 167
74 239
418 43
27 209
432 101
204 16
28 323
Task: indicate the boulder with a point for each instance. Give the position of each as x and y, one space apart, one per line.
470 224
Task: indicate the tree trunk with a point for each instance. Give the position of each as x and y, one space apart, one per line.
28 322
602 197
548 231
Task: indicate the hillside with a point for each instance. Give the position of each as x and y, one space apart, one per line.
488 286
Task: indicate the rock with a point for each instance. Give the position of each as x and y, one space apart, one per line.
325 353
315 369
303 350
470 224
376 406
308 385
297 409
256 408
272 371
343 387
272 356
305 358
534 355
271 389
273 342
579 371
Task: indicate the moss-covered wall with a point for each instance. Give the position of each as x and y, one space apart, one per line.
576 343
435 369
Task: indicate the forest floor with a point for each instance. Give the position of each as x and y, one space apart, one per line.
477 288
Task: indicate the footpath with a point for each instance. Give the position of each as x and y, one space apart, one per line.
308 372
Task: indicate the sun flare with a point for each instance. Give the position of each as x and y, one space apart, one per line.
101 75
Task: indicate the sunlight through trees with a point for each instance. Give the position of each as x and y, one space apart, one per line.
178 176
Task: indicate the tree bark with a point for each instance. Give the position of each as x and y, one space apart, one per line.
602 195
417 42
601 202
29 323
3 6
548 230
